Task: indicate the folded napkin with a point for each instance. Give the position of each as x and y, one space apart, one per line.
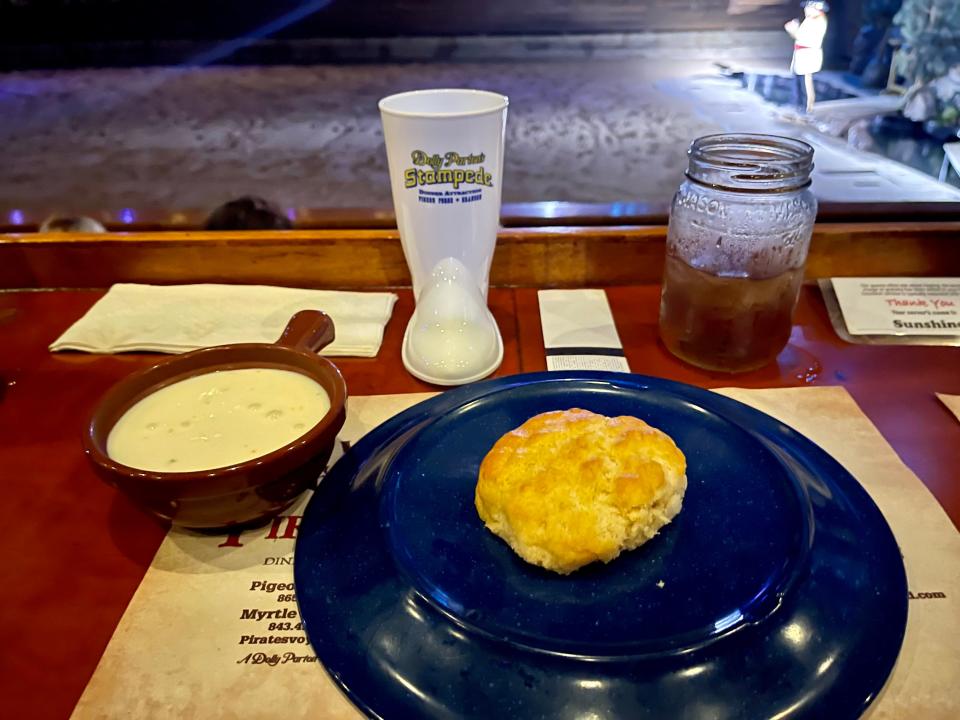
178 318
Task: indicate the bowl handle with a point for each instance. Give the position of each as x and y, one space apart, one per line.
308 330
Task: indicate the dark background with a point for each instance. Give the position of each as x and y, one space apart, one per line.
76 33
142 19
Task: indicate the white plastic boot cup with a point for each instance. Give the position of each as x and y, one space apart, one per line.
452 338
445 154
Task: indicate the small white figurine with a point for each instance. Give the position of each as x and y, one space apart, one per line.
808 44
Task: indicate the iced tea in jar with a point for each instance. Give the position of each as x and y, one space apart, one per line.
740 228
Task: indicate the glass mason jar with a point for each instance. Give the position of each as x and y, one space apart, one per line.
740 228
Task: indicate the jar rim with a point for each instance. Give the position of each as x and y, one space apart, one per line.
750 162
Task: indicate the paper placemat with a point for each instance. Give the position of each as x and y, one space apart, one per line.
952 402
213 631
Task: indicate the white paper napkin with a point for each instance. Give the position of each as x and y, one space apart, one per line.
178 318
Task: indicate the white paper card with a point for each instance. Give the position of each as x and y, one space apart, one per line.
899 306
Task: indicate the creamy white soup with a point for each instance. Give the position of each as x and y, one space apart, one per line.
217 419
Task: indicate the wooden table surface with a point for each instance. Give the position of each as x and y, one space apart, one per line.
74 550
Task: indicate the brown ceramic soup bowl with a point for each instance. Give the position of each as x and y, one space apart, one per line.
247 492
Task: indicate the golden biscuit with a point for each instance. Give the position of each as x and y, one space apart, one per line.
570 487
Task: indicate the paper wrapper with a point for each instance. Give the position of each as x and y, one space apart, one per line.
183 647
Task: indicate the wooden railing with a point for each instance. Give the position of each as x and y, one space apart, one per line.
345 258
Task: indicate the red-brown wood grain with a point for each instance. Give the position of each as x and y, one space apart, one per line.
73 550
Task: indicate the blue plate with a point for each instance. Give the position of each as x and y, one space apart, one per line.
777 592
